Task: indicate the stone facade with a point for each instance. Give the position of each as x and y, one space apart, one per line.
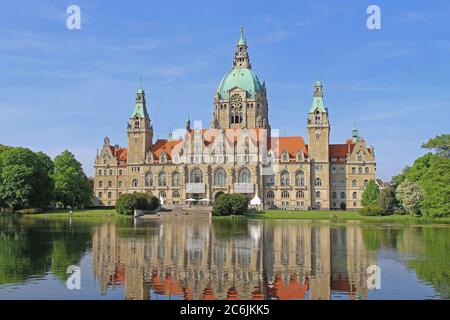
239 153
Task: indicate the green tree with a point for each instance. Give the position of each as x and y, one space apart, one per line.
230 204
441 144
71 184
436 186
25 179
410 195
370 194
387 200
128 202
398 179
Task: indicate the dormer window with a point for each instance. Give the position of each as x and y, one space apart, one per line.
163 158
285 157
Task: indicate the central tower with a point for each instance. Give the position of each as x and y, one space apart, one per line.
240 100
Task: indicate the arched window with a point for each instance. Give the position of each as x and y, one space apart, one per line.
366 170
365 183
317 116
360 157
175 179
317 194
136 124
135 183
318 182
285 194
100 172
355 204
285 178
100 184
149 179
120 183
110 172
220 178
100 194
196 176
175 194
162 194
360 170
342 195
355 195
300 194
353 170
109 184
270 195
285 156
120 172
299 179
109 195
354 183
105 172
244 176
162 179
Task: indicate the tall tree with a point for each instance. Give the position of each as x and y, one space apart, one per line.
441 144
71 184
370 194
24 179
436 185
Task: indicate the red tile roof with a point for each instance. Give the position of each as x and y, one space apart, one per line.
290 144
164 145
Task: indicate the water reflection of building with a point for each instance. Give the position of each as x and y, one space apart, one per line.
194 259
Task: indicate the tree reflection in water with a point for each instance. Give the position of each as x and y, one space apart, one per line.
182 258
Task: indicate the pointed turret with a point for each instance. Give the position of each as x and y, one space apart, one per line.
355 133
318 103
241 58
188 123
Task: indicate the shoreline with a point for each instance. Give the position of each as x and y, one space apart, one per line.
333 216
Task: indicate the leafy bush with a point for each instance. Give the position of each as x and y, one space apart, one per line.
127 203
230 204
372 210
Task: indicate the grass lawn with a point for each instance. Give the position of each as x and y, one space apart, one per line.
81 213
341 215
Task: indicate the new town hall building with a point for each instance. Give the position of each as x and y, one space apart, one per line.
239 153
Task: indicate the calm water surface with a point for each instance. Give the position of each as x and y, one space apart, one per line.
181 258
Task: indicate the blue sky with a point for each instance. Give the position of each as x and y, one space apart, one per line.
68 89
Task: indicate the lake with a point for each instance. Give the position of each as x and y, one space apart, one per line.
204 258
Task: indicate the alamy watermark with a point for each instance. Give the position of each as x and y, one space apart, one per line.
73 21
74 280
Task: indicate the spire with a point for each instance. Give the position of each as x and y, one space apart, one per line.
318 97
140 107
355 133
242 41
170 133
241 58
188 123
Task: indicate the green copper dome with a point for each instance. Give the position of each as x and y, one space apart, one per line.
242 78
